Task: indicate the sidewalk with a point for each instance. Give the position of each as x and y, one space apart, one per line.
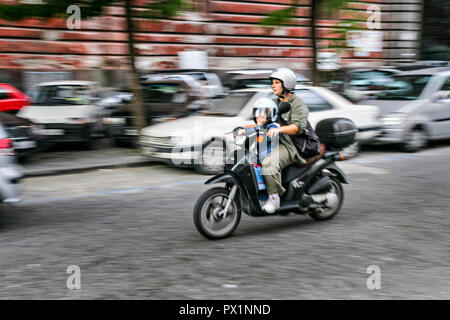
71 160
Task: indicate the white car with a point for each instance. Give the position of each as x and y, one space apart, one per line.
66 110
192 140
10 171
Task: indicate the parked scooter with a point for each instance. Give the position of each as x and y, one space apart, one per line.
315 189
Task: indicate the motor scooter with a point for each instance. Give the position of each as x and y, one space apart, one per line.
314 188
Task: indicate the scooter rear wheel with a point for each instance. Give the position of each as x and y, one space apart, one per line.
328 211
206 214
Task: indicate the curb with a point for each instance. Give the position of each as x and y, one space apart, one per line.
61 171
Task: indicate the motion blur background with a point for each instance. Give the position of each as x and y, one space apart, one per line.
75 94
36 50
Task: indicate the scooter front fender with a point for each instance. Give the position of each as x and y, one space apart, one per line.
224 177
228 177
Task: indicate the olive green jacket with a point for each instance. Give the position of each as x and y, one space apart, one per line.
298 115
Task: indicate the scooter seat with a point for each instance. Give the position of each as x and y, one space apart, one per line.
294 170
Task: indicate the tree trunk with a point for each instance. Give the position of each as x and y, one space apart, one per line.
139 112
315 73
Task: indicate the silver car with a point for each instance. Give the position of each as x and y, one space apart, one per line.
10 172
415 109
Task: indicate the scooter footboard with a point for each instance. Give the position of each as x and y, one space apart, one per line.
249 203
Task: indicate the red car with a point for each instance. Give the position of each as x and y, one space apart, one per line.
12 99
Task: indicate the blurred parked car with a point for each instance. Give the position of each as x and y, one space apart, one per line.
12 99
356 84
111 101
164 100
24 134
209 81
10 173
200 135
254 78
415 109
67 111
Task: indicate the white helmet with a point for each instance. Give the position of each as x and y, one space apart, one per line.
286 76
267 107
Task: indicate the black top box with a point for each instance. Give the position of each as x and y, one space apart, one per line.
336 133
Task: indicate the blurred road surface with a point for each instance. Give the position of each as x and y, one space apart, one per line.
130 231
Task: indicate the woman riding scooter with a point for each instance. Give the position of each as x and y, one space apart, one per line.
283 85
314 189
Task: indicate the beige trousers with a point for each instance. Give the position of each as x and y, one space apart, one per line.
272 165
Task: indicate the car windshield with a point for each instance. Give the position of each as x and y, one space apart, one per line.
61 95
369 80
164 93
230 106
404 88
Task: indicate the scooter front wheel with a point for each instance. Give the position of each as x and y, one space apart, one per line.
209 218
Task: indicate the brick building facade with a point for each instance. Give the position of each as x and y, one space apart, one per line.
228 30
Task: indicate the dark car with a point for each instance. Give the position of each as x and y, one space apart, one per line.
164 100
24 134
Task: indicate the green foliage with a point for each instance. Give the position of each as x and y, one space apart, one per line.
89 8
328 7
280 17
284 16
51 8
164 9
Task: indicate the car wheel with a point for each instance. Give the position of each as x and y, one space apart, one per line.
213 158
351 151
415 140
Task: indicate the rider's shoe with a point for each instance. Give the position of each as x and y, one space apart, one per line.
272 204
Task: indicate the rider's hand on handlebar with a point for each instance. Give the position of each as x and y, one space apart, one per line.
273 132
241 132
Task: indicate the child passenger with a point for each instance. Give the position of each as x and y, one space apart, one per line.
265 112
